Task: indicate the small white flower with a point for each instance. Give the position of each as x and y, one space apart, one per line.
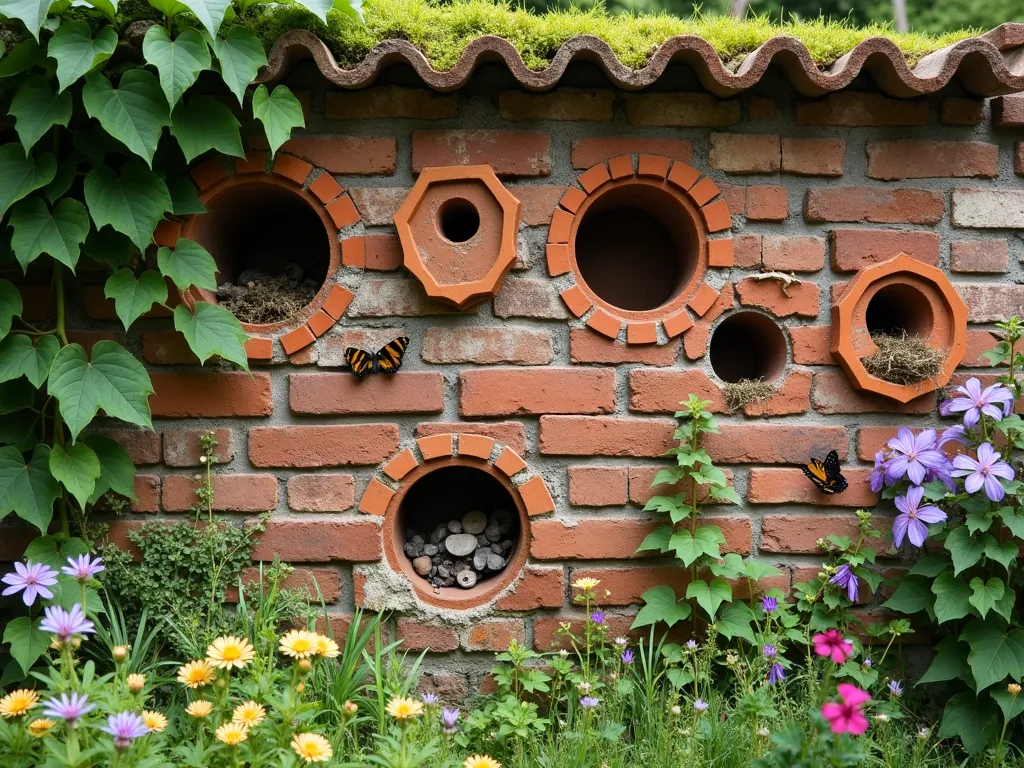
563 653
202 459
882 717
584 687
923 734
621 642
562 723
676 709
763 732
684 731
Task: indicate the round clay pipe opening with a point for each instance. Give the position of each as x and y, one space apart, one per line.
748 345
458 220
637 247
897 309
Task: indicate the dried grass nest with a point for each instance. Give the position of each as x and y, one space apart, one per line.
746 391
903 359
264 300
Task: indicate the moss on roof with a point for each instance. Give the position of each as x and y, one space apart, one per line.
442 31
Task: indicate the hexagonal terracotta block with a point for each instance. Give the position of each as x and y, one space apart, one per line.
907 294
458 232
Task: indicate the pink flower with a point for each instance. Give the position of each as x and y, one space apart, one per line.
833 645
846 716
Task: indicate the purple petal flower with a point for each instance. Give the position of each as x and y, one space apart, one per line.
33 578
700 705
878 474
691 645
66 624
68 708
770 651
449 717
910 523
995 401
845 579
589 702
84 567
983 472
895 688
627 657
125 727
776 674
914 455
429 699
867 663
955 434
597 617
770 604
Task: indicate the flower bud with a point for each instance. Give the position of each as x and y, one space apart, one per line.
305 665
136 682
1013 689
351 707
300 687
120 653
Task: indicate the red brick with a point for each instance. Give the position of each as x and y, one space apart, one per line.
494 634
546 635
853 109
679 109
259 350
509 153
346 155
767 294
343 393
919 159
979 255
211 394
510 391
325 188
991 303
747 249
797 253
390 102
588 152
695 342
435 446
585 346
318 582
597 486
627 585
798 534
321 493
538 587
322 446
660 391
793 396
605 539
292 168
182 447
402 297
875 204
377 205
745 152
231 493
536 496
1008 111
978 342
147 494
510 433
812 344
342 212
165 347
320 541
539 202
604 323
873 439
477 446
774 443
509 462
417 636
832 393
956 111
642 488
790 486
450 688
142 445
766 203
855 249
605 436
760 108
572 104
488 346
382 253
813 157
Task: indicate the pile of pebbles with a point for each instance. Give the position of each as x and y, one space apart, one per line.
463 550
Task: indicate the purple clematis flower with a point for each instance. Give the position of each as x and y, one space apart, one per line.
914 455
449 717
770 604
895 688
845 579
995 401
70 709
910 523
770 651
954 434
627 656
700 705
125 727
66 624
776 674
84 567
984 471
430 699
589 702
879 473
33 578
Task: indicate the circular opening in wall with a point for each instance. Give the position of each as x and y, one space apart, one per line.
272 249
748 346
458 219
898 310
637 247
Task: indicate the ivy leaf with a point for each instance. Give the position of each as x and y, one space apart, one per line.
965 549
657 539
15 396
950 663
687 548
10 306
755 570
49 551
710 595
1004 605
23 57
974 720
995 652
59 234
1004 553
188 264
117 471
280 112
710 539
27 641
134 113
911 596
62 180
984 596
77 52
178 61
735 621
108 247
660 605
929 566
241 55
184 200
32 13
77 469
1012 706
36 109
203 124
20 357
27 490
169 8
729 567
209 12
113 380
952 598
212 330
1014 520
20 175
134 297
132 203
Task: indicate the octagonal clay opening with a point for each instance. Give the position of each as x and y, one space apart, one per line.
458 220
899 309
432 495
748 346
637 247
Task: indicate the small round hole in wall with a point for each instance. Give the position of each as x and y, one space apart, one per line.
748 346
636 247
899 309
458 220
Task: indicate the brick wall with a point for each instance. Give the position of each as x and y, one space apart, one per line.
820 188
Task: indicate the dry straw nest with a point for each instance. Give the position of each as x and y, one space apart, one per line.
268 300
903 359
746 391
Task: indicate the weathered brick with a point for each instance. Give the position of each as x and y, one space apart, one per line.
642 487
538 587
342 393
979 255
494 635
747 251
606 539
681 110
231 493
991 302
320 541
605 436
450 687
660 391
346 155
798 534
589 152
509 153
585 346
760 108
142 445
766 202
920 159
978 342
591 104
322 446
745 152
389 102
1018 162
1008 111
988 208
321 493
852 109
183 449
812 344
793 253
508 391
547 635
598 486
510 433
395 298
627 585
318 582
377 206
211 394
767 294
539 202
529 297
488 346
147 494
813 157
695 341
382 253
166 347
832 393
874 204
418 636
792 396
774 443
855 249
790 486
956 111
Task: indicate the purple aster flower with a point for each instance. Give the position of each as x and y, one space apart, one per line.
770 651
895 688
84 567
449 717
125 727
995 401
984 471
844 578
66 624
627 657
914 455
867 663
955 434
430 699
770 604
691 645
943 474
68 708
589 702
878 474
33 578
597 617
910 523
776 674
700 705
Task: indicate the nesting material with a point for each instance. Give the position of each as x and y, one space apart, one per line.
260 299
747 391
903 359
462 550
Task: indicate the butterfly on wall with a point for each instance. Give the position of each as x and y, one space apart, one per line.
387 359
826 475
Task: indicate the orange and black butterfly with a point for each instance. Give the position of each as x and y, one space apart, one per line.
387 359
826 475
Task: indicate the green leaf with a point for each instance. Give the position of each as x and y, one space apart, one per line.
660 605
15 396
731 566
984 596
710 595
204 123
59 234
107 247
132 204
212 330
55 553
687 548
10 306
188 264
1012 706
32 13
911 596
135 297
974 720
1004 605
241 55
27 642
657 539
77 52
950 663
27 490
23 57
1004 553
209 12
929 566
735 621
952 597
77 469
113 380
36 109
1014 520
19 429
20 357
169 8
134 113
62 181
185 201
20 175
996 652
117 471
177 61
965 549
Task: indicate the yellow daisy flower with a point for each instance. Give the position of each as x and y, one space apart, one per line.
481 761
17 703
136 682
326 647
155 721
232 734
299 644
312 747
196 674
585 585
230 651
249 714
40 726
199 708
403 709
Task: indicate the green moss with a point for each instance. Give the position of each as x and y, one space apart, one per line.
442 31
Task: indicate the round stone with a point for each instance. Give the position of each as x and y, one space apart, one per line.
455 526
474 522
466 579
422 565
461 544
495 562
480 559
